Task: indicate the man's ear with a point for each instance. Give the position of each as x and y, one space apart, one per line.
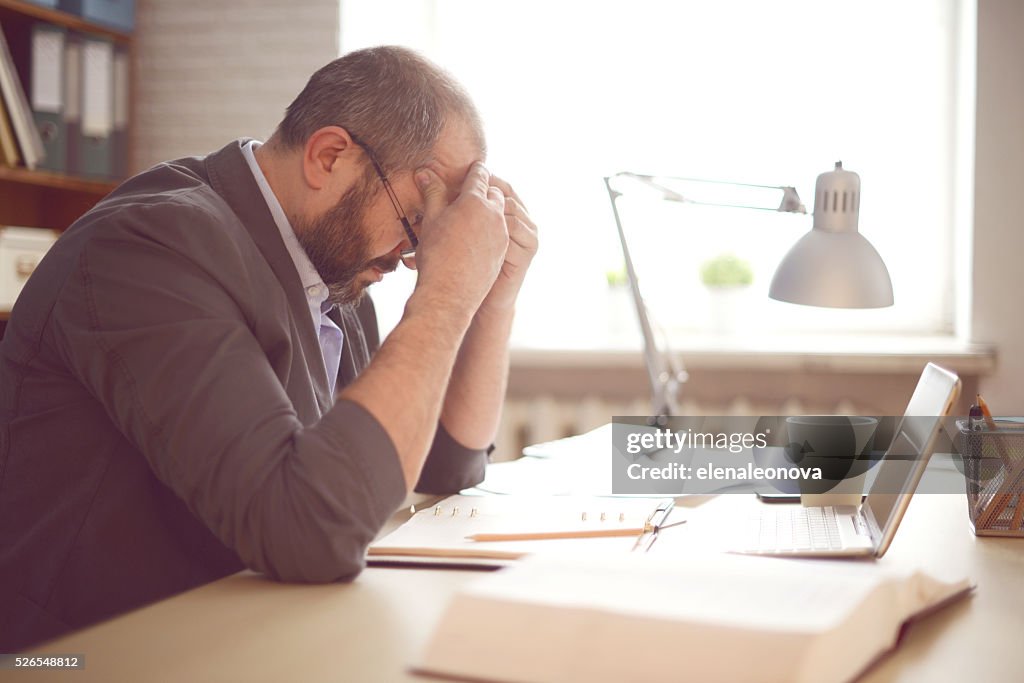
329 158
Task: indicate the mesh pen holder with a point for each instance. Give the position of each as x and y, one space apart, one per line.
994 470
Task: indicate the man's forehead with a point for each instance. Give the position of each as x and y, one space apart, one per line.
455 152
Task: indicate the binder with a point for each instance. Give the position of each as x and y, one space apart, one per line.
8 145
119 137
45 71
96 150
22 121
73 102
38 55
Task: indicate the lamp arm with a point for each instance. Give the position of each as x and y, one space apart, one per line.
665 376
790 202
665 372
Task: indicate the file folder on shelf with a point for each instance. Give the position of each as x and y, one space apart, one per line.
119 135
45 84
22 121
9 155
73 103
38 57
96 152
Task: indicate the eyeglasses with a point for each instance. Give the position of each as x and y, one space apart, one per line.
406 253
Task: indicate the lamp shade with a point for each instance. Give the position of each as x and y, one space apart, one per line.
834 265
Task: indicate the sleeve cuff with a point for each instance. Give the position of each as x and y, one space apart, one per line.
367 441
450 466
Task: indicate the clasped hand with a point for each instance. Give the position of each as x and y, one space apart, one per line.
479 246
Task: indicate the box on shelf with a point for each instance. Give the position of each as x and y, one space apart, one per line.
21 250
116 14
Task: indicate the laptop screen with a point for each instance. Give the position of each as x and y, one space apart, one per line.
912 445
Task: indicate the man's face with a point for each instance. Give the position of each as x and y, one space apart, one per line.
358 240
339 247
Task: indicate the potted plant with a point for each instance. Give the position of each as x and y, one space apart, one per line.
727 278
621 314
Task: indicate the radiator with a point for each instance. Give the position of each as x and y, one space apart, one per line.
528 421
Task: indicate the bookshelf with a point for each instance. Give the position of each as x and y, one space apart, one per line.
47 200
22 12
41 198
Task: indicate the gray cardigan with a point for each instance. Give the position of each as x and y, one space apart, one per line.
164 412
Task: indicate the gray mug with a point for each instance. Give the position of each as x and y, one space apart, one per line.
840 445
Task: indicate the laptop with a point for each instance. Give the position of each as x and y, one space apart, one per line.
867 530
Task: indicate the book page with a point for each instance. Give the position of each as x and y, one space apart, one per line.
771 594
708 617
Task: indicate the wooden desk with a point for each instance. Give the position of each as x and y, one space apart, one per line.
245 628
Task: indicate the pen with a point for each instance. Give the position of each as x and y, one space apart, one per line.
991 424
654 524
658 517
974 418
986 412
1018 513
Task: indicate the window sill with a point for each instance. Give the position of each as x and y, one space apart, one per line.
805 353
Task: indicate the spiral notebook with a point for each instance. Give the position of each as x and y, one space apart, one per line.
482 531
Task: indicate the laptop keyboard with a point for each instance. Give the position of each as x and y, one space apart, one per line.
795 529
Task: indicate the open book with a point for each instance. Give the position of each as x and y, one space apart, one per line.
456 530
709 618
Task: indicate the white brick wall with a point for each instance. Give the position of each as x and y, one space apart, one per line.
209 71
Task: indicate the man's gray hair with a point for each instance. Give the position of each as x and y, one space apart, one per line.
389 97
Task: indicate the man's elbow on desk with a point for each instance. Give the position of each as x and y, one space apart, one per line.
313 512
312 516
307 558
308 539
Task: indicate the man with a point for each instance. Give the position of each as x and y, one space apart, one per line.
167 379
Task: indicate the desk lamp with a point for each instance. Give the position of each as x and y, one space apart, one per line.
833 265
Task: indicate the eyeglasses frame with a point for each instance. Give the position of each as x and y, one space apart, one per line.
399 211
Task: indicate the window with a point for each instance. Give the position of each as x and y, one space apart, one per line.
760 92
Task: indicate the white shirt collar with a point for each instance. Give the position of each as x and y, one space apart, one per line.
312 283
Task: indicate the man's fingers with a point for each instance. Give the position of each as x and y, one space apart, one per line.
507 190
514 209
513 206
434 192
495 195
522 233
477 180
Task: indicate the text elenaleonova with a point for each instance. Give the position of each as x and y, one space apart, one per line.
676 441
748 472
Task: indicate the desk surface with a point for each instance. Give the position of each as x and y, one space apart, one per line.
247 628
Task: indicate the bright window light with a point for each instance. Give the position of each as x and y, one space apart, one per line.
769 93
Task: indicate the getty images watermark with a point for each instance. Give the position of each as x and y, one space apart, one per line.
788 454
